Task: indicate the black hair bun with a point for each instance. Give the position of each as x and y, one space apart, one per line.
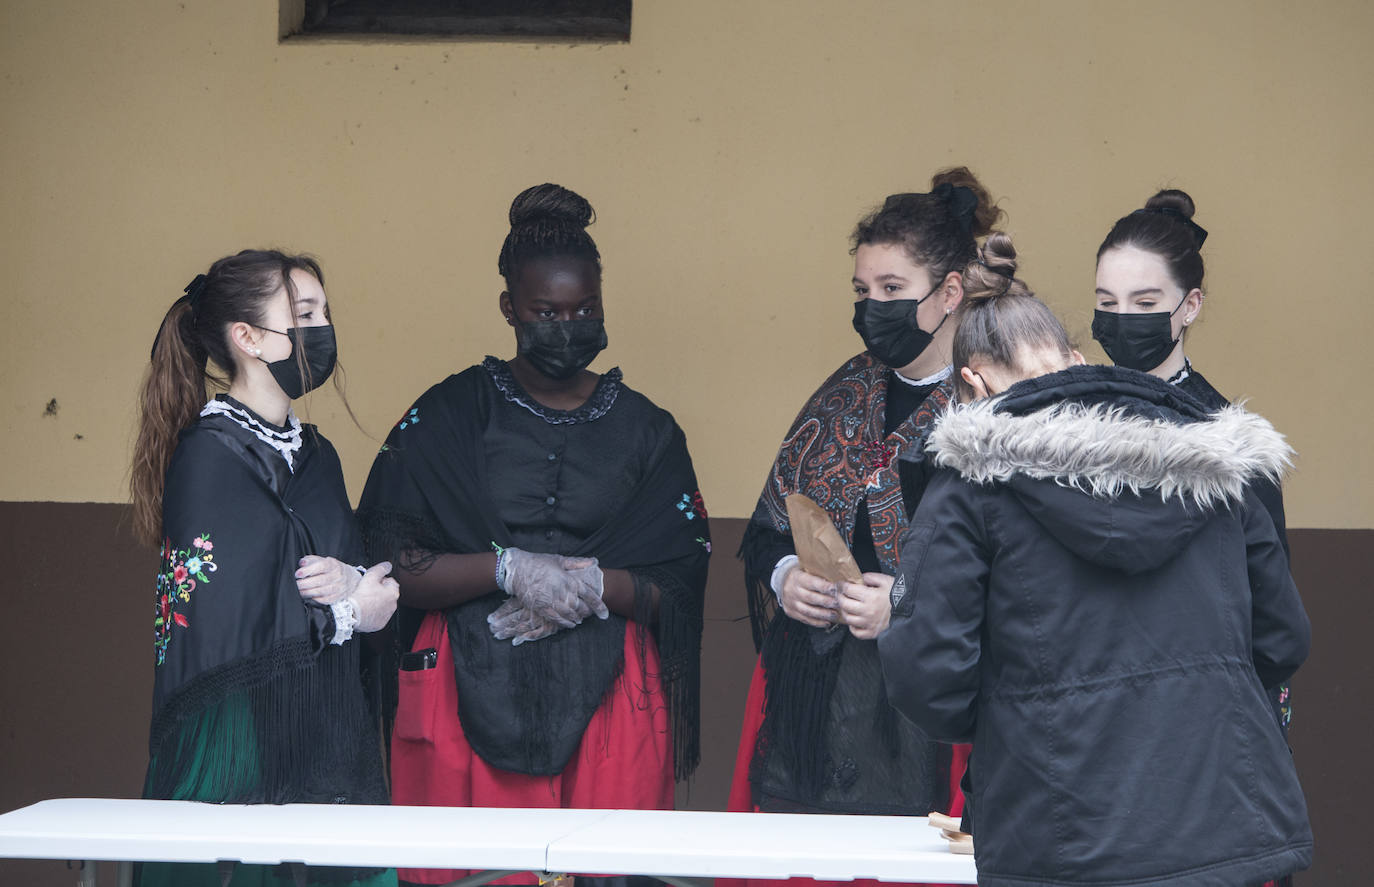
1172 199
550 203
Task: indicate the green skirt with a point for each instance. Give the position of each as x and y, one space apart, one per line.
206 874
221 761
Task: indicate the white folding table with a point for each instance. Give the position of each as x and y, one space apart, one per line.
675 846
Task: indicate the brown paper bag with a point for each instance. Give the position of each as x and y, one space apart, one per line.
820 548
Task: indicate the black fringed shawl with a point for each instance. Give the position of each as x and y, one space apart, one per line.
525 708
251 704
819 748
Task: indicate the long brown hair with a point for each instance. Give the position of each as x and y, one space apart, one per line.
192 350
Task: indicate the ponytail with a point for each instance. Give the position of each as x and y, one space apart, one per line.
172 396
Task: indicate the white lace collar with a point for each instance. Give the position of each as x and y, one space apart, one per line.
286 441
1183 373
933 379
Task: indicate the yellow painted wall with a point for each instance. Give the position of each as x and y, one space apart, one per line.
728 149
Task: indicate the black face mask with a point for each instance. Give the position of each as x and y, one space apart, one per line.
1136 341
321 351
890 331
560 349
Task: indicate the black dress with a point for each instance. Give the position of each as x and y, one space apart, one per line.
477 463
828 741
253 702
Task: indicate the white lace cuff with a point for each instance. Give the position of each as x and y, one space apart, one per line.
345 618
780 574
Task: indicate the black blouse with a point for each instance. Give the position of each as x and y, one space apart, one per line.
551 471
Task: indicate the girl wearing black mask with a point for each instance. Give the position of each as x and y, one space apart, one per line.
1149 292
828 741
257 604
551 547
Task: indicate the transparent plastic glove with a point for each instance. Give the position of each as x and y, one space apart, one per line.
558 589
512 621
374 599
325 580
591 585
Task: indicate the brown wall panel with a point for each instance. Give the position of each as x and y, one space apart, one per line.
1331 694
77 677
728 148
76 694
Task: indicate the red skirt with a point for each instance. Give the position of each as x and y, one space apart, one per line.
625 760
741 793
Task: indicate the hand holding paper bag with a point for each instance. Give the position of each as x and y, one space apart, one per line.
820 548
811 594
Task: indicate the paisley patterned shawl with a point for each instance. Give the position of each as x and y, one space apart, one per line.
836 454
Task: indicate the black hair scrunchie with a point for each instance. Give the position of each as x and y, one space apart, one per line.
963 203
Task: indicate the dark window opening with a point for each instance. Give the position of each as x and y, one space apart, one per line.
607 20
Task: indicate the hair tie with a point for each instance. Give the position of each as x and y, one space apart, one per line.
1008 273
1199 233
963 203
195 289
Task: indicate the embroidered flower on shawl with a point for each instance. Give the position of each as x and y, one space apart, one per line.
412 417
182 570
692 506
877 454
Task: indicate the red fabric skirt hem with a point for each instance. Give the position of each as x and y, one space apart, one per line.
625 759
741 792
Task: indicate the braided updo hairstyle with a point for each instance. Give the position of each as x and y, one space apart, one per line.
938 230
1000 318
546 221
1165 227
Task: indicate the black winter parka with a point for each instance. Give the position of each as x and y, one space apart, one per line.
1091 593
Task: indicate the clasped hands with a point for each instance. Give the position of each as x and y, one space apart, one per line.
549 592
863 608
327 580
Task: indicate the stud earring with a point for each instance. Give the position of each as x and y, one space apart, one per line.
257 352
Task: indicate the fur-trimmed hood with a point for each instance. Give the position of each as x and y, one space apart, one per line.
1112 462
